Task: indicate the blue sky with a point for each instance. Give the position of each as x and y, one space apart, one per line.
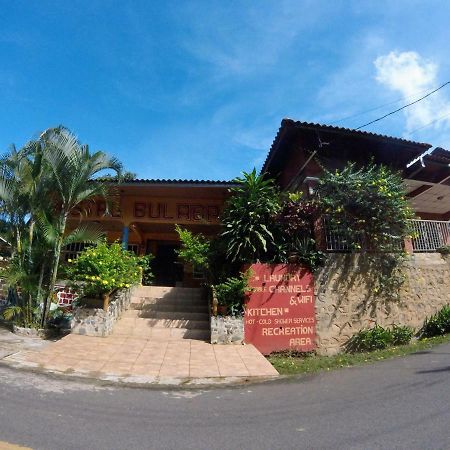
197 89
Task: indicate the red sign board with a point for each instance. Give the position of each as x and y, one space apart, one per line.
279 313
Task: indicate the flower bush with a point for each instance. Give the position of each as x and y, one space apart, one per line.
106 267
366 205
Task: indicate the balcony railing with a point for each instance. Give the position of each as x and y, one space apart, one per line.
429 235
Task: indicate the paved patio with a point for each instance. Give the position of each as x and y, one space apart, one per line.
149 359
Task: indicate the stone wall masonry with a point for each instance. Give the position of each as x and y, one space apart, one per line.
345 302
227 329
95 321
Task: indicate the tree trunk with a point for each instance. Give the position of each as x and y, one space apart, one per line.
54 269
30 238
41 279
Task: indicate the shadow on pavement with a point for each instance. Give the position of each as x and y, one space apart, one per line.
441 369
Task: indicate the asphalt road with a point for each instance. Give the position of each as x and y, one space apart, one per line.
397 404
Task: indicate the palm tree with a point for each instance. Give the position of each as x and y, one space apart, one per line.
40 185
74 170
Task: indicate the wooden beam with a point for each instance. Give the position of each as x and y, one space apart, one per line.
420 190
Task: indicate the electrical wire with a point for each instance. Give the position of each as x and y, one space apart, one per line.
428 124
362 113
403 107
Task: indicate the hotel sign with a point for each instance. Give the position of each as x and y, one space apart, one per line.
179 212
280 313
158 210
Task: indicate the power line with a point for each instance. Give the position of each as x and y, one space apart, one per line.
403 107
361 113
428 124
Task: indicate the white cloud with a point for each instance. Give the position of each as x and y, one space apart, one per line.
414 76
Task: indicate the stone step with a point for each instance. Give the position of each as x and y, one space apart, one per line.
168 301
167 292
164 334
174 323
170 307
171 315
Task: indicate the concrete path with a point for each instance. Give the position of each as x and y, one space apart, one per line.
11 343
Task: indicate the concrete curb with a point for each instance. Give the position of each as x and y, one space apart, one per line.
141 382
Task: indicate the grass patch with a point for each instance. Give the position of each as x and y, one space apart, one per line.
294 363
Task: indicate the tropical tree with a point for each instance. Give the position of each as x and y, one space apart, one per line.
74 170
40 185
249 219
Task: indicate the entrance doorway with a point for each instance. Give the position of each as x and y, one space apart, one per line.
165 266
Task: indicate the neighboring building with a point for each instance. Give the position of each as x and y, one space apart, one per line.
147 210
301 149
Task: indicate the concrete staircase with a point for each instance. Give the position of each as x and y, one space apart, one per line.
171 313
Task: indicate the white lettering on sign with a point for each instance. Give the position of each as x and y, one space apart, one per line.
282 277
299 341
304 320
251 312
290 289
288 331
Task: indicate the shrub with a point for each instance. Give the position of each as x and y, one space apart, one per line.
195 248
105 267
437 324
231 293
249 219
367 205
379 338
444 250
401 335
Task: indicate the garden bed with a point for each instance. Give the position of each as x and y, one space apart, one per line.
90 319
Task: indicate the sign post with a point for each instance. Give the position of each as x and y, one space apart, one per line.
279 312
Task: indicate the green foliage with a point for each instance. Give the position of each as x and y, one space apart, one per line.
437 324
387 272
401 335
105 267
195 248
22 315
444 250
307 253
296 220
40 186
249 219
379 338
367 205
299 364
231 293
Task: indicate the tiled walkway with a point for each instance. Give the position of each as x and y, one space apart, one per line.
160 338
148 358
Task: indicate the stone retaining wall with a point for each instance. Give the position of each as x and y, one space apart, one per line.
227 329
95 321
345 302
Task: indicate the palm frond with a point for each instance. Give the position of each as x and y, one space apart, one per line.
87 232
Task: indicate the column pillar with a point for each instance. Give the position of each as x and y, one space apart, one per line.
408 246
125 233
319 234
